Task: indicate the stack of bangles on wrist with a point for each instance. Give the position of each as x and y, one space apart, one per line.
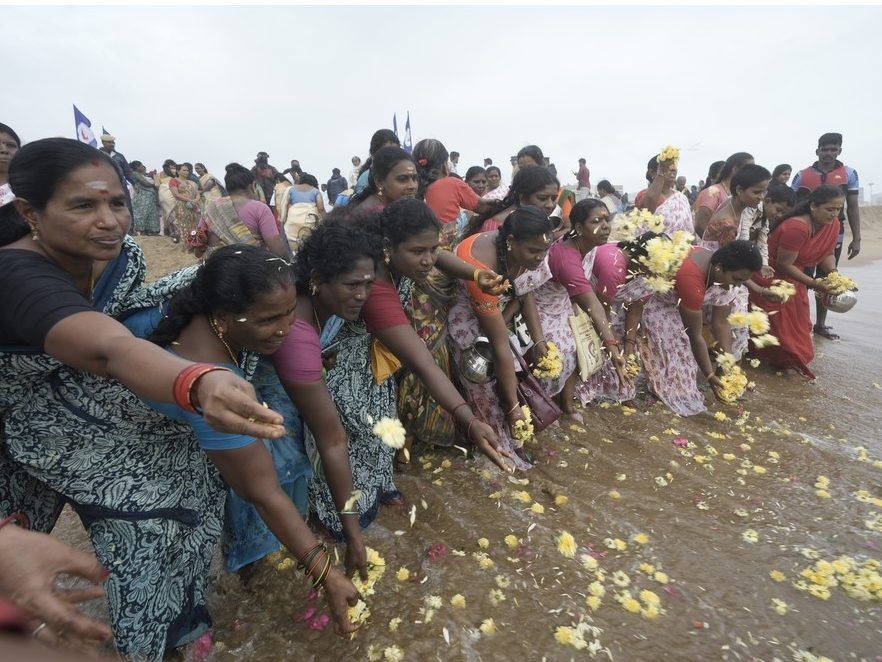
313 560
471 422
182 391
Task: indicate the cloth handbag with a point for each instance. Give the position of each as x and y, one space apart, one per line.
530 393
589 349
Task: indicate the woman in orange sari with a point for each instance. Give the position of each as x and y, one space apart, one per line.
806 239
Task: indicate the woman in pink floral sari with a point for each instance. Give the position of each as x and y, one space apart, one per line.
672 355
664 199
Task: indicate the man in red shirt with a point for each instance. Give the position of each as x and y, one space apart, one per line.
583 176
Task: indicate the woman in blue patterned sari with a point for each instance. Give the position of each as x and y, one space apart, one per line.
73 432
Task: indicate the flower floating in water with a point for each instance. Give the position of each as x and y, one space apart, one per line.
640 538
780 606
861 581
511 541
588 562
458 601
566 544
549 366
537 508
577 636
750 535
390 431
777 575
523 429
837 283
620 579
488 626
669 154
560 500
403 574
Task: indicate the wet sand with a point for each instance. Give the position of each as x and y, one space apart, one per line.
700 490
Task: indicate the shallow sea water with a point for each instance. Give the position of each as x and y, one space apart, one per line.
718 602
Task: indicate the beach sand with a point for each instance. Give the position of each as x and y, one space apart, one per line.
722 503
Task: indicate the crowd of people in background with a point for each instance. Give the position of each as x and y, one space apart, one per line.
266 395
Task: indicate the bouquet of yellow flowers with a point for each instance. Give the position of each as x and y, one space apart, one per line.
733 379
669 154
626 227
664 258
523 429
782 289
376 566
837 283
549 366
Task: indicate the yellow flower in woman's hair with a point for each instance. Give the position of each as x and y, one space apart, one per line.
390 431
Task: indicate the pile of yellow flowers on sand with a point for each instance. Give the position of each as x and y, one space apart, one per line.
376 566
733 378
757 321
782 289
859 580
523 429
664 258
669 154
837 283
549 366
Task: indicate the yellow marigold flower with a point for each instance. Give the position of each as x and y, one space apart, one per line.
750 535
566 544
433 601
403 574
780 606
483 543
393 654
394 623
754 363
537 508
596 588
649 597
390 431
560 500
839 283
511 541
822 483
549 366
777 575
458 601
757 469
502 581
620 579
593 602
669 153
495 496
488 626
588 562
661 577
728 457
523 495
650 612
641 538
630 604
824 494
720 416
564 635
496 596
614 494
647 568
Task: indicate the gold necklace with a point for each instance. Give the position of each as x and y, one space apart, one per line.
220 336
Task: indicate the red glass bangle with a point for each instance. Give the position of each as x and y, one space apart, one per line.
186 379
16 518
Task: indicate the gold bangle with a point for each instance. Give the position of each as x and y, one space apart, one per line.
475 275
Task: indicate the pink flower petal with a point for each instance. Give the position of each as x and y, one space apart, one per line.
305 616
320 622
680 442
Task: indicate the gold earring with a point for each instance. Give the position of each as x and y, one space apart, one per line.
386 257
35 234
380 192
509 247
313 288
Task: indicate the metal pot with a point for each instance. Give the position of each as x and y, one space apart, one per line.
476 362
840 303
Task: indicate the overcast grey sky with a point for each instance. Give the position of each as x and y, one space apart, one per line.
612 84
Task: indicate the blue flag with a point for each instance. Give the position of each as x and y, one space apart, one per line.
395 124
408 140
84 128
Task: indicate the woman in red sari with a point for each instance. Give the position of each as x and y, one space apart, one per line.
806 239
